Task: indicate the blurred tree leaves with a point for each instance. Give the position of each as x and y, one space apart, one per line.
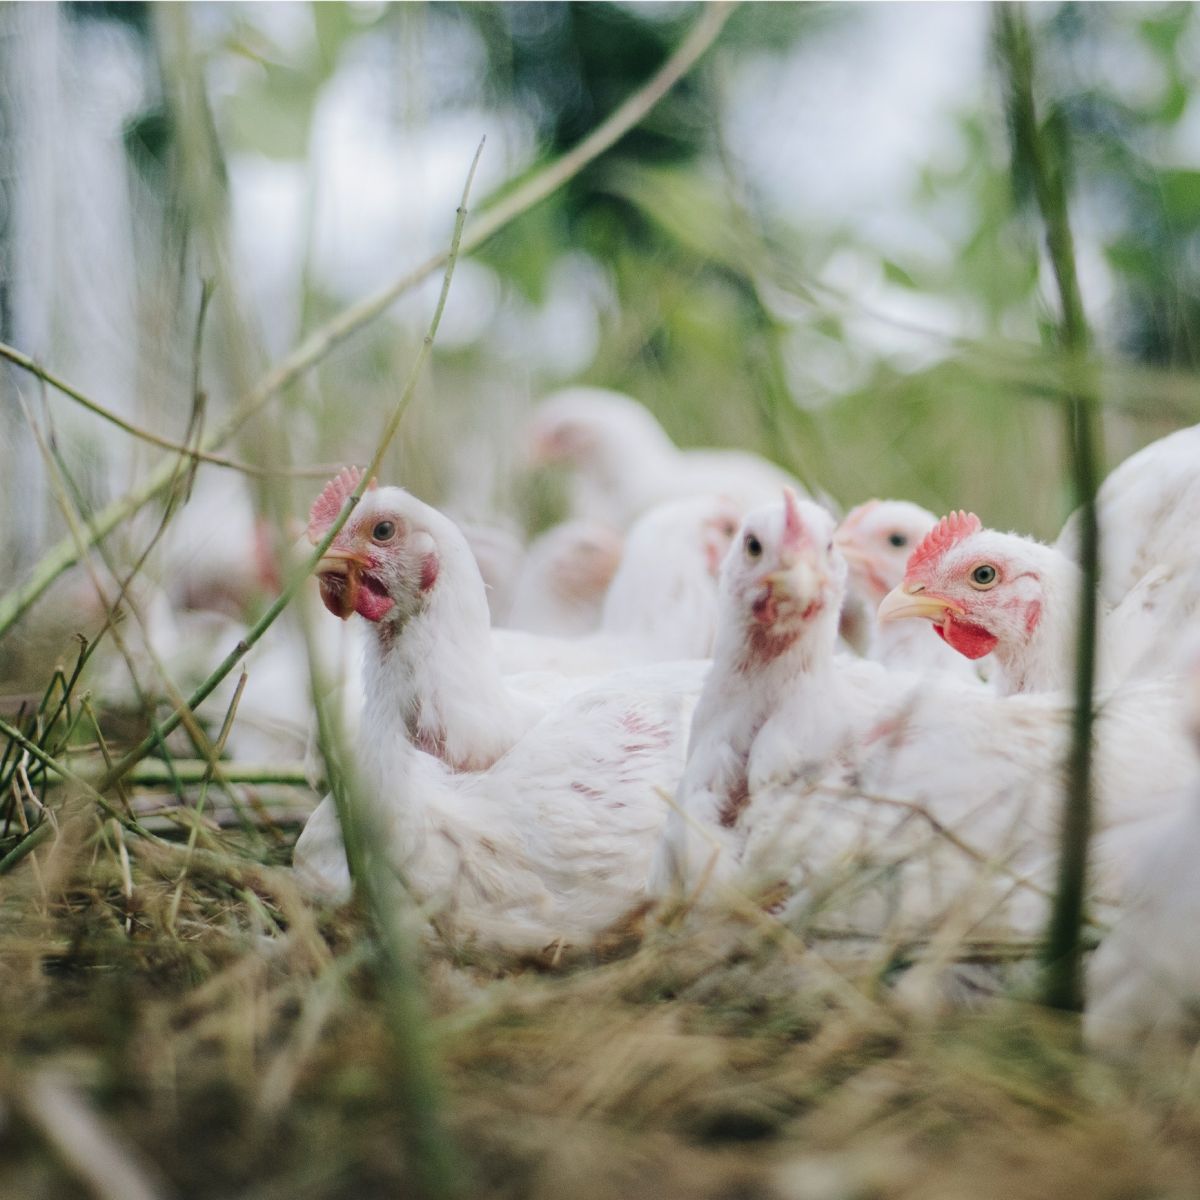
1180 195
525 254
569 65
271 113
1126 136
720 317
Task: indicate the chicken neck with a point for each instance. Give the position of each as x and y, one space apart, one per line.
434 676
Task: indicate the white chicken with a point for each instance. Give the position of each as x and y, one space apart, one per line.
910 800
1147 510
515 829
1013 597
876 539
622 462
560 589
756 658
664 594
661 604
1143 983
446 687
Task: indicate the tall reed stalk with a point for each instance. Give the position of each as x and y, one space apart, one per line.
1041 158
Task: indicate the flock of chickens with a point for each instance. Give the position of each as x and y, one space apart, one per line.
703 683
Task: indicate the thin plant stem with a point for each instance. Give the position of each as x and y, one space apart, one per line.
14 356
1062 979
194 832
60 483
383 896
319 344
50 763
193 771
120 769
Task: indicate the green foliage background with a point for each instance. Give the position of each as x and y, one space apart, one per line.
717 302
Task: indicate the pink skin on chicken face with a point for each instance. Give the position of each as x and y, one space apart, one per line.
587 565
557 441
375 560
717 534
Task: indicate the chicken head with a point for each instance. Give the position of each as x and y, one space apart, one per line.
983 590
876 539
781 573
383 563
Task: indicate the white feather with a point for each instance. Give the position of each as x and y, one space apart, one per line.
1148 510
661 604
560 589
622 462
1143 983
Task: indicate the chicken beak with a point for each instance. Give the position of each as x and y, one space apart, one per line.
801 582
336 561
911 600
339 573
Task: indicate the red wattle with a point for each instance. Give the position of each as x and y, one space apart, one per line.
971 641
429 571
372 604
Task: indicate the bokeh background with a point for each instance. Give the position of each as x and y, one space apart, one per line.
814 246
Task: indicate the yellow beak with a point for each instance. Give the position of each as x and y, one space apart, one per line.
338 562
800 583
911 600
339 574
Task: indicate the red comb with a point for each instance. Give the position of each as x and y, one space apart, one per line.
949 531
329 503
794 532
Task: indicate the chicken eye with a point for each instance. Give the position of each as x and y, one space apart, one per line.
384 531
983 576
753 546
897 540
